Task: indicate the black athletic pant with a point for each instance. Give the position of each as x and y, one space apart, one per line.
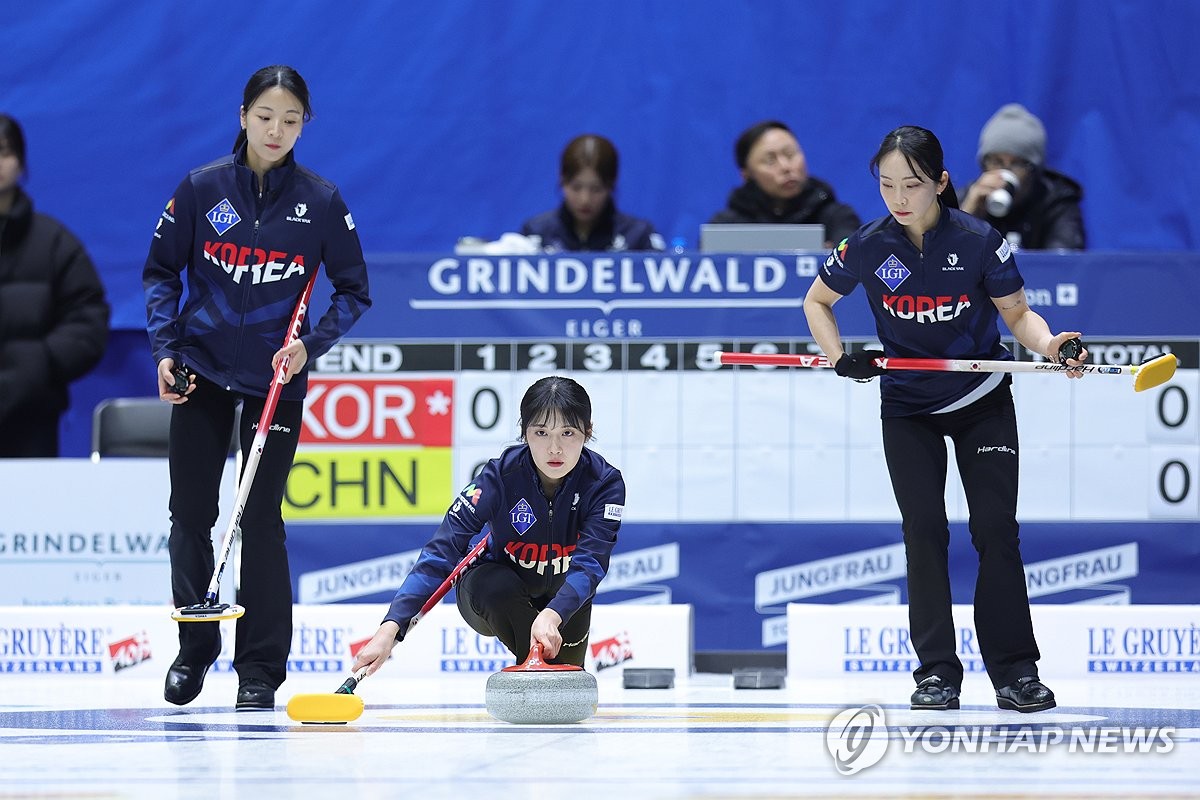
495 602
199 443
985 447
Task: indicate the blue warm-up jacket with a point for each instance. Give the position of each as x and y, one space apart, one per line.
249 252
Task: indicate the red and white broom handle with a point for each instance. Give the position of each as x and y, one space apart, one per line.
451 579
260 437
921 364
434 599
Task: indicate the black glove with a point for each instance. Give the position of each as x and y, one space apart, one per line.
860 366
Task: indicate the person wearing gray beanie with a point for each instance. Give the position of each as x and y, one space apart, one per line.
1033 207
1014 130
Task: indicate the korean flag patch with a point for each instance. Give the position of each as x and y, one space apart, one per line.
1003 251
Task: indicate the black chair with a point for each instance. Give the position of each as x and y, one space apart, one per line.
137 427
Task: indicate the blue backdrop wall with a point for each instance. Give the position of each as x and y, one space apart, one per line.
440 120
445 119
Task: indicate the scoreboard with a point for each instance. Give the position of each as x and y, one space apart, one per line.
413 421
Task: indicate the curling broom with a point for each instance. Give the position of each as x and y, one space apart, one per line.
209 610
343 705
1154 372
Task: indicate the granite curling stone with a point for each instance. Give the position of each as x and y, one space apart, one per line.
759 678
537 693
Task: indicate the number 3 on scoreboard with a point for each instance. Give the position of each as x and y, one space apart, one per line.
597 357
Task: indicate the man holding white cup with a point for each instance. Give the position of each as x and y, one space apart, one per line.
1033 207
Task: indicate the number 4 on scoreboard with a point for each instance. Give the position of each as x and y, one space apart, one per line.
656 357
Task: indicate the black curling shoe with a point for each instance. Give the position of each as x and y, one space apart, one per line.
184 682
1026 695
255 695
935 693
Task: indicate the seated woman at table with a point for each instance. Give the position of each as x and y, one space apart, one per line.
777 187
588 218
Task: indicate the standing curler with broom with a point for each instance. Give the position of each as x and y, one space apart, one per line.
251 229
937 280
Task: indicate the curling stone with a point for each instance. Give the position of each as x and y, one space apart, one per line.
759 678
537 693
648 678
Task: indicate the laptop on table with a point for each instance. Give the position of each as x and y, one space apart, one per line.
760 238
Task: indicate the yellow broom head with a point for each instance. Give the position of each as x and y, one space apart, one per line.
1155 372
325 709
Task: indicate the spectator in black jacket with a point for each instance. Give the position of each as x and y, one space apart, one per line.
588 218
53 313
1033 207
778 188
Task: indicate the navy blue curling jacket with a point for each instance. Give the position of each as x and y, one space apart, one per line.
560 549
933 302
249 255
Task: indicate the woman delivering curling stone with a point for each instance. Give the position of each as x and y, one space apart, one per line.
936 280
553 508
250 229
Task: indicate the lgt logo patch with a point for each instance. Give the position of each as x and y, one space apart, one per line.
222 216
522 516
892 272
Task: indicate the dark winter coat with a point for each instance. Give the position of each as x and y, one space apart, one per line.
53 312
1048 218
816 203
